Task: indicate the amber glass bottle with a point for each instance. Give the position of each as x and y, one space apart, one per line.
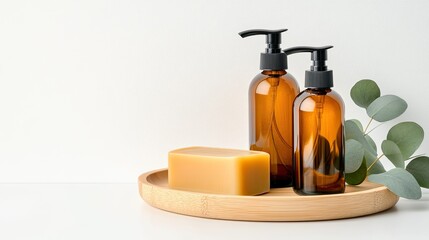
319 142
271 97
318 130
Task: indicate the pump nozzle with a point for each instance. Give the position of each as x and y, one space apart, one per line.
319 76
274 38
273 58
318 55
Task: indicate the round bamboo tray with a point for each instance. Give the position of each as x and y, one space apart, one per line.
280 204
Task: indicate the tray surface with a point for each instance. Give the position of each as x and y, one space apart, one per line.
280 204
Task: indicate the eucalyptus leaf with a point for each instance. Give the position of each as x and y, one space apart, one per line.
358 123
371 142
376 168
357 177
393 153
352 131
400 182
419 168
364 92
354 155
386 108
408 136
370 158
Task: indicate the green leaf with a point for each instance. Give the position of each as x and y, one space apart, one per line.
358 123
371 142
393 153
352 131
376 168
400 182
357 177
354 155
386 108
408 136
419 168
364 92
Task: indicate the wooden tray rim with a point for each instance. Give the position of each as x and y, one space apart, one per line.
153 188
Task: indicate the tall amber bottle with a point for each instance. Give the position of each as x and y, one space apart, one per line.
271 96
318 130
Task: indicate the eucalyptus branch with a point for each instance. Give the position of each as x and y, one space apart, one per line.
404 139
373 129
372 164
367 126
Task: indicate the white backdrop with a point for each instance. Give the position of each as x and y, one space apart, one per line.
100 91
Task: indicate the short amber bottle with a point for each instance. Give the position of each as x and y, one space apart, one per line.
318 130
319 142
271 96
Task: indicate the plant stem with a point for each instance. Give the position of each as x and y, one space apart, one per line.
367 126
372 164
373 129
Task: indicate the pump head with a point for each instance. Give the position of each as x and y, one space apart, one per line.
273 58
318 76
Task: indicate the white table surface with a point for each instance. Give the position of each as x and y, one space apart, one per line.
115 211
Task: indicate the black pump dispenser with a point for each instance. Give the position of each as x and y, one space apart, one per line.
318 76
273 58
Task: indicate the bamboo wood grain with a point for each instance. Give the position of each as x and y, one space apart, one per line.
280 204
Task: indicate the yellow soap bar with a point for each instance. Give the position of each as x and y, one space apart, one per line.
219 171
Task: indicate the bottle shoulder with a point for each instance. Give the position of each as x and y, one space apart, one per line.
310 95
329 93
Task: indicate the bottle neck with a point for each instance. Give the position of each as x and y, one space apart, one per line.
274 72
318 91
